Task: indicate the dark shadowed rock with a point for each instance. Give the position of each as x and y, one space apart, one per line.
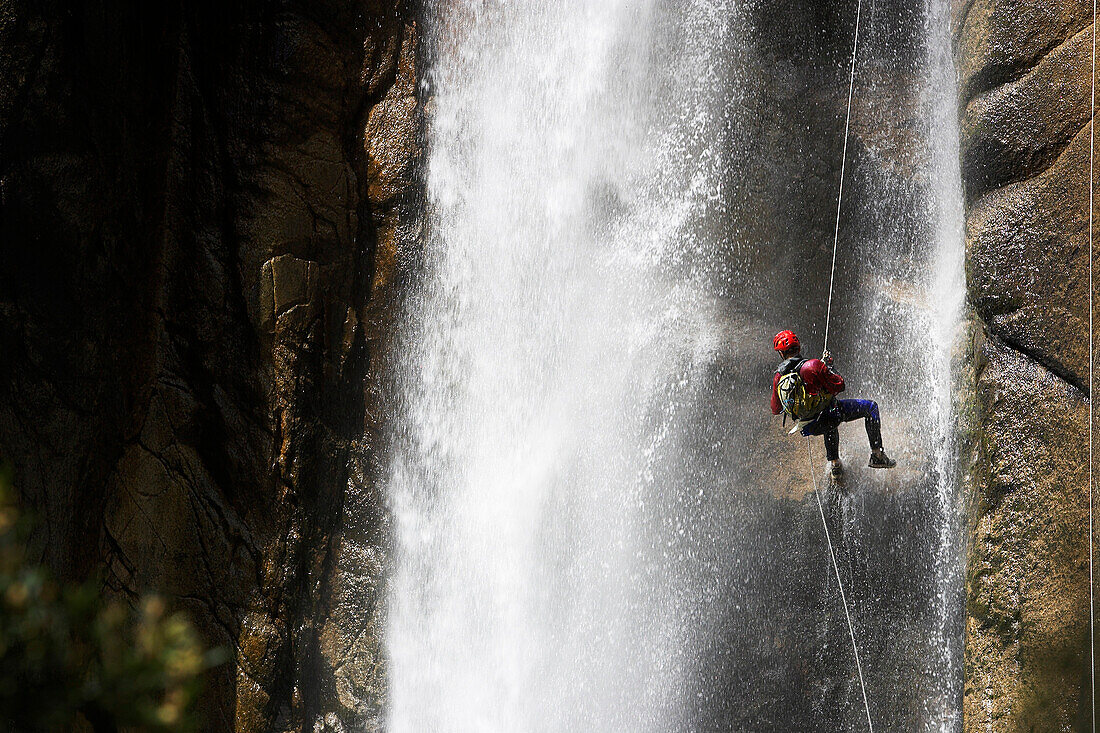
200 206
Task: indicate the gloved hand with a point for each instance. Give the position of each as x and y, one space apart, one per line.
828 359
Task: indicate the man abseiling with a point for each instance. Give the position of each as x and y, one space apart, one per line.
805 390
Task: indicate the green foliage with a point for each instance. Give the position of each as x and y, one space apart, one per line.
66 654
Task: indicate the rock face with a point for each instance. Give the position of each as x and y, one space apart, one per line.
202 206
1024 80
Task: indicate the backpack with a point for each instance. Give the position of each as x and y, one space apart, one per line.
798 402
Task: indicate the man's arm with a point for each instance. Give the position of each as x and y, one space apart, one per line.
817 375
776 407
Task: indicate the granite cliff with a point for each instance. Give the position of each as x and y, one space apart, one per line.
1024 114
201 205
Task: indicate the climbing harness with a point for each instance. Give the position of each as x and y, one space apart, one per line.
828 315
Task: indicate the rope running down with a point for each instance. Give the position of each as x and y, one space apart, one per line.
1092 158
840 585
828 316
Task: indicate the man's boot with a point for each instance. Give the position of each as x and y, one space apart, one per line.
879 459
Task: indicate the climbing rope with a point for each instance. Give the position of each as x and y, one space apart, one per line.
828 316
840 585
1092 159
843 163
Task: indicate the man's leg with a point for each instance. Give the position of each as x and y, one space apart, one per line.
825 426
832 452
868 410
832 444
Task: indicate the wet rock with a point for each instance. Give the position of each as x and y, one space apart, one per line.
997 40
1024 70
1027 520
329 724
287 282
1027 264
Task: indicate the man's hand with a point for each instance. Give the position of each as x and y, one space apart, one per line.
828 359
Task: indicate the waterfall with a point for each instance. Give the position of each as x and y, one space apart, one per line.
948 288
595 525
557 334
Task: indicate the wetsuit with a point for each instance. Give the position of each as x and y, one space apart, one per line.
819 378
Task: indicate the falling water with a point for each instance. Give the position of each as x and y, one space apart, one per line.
556 333
948 289
594 527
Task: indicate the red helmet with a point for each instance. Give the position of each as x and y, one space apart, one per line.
785 341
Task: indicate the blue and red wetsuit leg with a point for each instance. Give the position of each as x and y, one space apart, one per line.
842 411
